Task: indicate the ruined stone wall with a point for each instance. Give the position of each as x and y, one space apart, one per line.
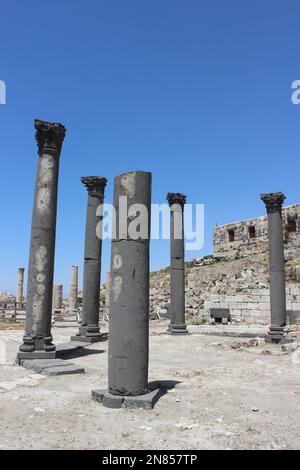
244 245
242 285
237 276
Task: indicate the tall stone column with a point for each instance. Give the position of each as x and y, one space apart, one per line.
74 288
89 330
273 202
107 289
177 277
37 341
57 297
19 297
128 348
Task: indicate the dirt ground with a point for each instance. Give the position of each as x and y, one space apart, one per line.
223 398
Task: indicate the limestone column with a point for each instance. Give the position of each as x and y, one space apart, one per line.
89 330
177 278
128 348
273 202
38 339
74 288
19 297
57 297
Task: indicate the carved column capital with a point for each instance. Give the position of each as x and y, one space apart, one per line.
176 198
95 185
49 136
273 201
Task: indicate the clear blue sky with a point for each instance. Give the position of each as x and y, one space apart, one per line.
195 91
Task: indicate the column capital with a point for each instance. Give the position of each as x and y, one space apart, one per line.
273 201
95 185
21 269
176 198
49 135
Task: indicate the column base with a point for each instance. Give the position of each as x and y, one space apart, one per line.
275 334
146 401
89 334
177 329
37 354
89 339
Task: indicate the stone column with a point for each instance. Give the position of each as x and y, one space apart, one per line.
177 279
74 288
128 348
107 289
273 202
38 339
89 330
57 297
19 297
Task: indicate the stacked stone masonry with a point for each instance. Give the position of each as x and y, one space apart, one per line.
251 236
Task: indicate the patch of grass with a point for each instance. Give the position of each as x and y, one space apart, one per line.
11 325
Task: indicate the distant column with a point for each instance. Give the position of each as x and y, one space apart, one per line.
107 289
38 339
19 297
74 288
273 203
177 277
128 349
57 297
89 330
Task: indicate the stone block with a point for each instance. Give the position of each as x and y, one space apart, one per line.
63 370
108 400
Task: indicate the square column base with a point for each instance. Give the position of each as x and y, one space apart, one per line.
146 401
177 330
87 339
21 355
275 334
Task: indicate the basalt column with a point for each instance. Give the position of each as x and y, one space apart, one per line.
89 330
37 339
273 202
74 288
19 297
128 348
57 297
177 280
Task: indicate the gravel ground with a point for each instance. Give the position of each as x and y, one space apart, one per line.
223 398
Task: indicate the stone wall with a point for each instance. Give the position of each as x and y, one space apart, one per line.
242 285
251 236
237 275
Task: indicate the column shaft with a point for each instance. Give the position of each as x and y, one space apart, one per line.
42 245
89 329
273 202
19 297
177 275
74 288
57 297
107 289
129 288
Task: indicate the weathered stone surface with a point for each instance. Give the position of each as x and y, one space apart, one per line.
89 328
249 343
290 347
177 269
37 335
63 370
52 367
146 401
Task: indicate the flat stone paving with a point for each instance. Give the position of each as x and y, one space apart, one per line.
217 398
